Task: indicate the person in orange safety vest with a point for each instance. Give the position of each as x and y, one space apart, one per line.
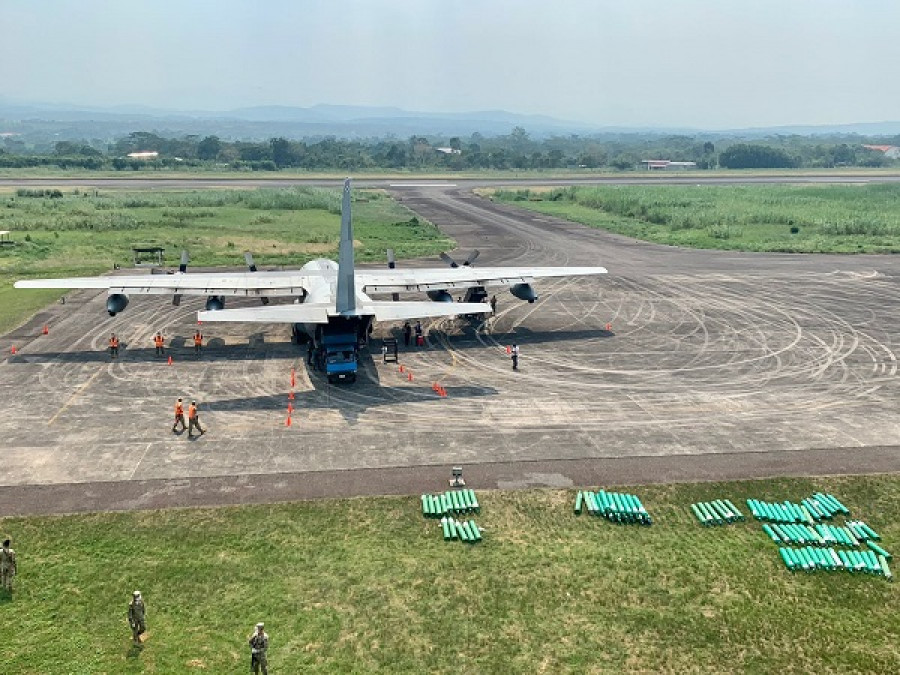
113 346
158 341
179 416
193 420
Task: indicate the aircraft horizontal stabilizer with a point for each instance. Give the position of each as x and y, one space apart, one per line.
297 313
396 311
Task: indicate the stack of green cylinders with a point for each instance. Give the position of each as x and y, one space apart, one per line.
878 550
452 502
717 512
810 559
464 530
617 507
862 531
828 504
784 512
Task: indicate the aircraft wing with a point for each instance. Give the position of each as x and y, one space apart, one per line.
295 313
245 284
447 278
319 312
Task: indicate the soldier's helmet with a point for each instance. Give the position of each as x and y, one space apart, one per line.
260 625
137 594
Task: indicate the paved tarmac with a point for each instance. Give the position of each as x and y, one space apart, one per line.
148 182
677 365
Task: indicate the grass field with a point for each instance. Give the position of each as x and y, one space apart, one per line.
367 585
827 218
76 232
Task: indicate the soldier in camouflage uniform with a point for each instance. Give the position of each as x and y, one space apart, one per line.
259 643
7 566
137 616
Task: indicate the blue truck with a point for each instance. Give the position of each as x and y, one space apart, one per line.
339 356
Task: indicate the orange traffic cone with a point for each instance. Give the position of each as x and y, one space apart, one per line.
409 376
608 327
287 422
508 349
293 381
46 330
290 408
12 349
443 393
401 368
290 396
170 360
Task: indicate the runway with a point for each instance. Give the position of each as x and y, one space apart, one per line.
126 182
677 365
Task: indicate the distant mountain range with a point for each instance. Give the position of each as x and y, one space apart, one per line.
261 122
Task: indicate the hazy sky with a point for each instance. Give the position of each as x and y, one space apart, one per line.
694 63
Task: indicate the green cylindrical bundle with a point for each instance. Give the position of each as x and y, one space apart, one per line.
579 501
880 551
781 534
836 561
755 511
699 514
616 505
464 500
885 570
845 560
806 515
788 561
840 507
445 526
855 534
476 533
808 556
737 514
463 531
872 534
723 510
711 517
474 499
769 531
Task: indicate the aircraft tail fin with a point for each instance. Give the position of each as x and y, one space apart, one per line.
346 286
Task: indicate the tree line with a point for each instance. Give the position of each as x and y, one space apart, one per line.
514 151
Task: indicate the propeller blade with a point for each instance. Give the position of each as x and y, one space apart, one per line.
248 258
182 268
392 262
447 259
472 257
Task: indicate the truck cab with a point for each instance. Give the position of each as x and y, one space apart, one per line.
340 356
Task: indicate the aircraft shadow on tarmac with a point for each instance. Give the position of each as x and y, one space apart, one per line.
519 335
350 400
179 348
256 348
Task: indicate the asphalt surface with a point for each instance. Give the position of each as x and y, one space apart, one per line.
678 365
671 178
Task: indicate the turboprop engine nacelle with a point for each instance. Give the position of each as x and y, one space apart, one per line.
214 303
524 292
115 303
440 296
